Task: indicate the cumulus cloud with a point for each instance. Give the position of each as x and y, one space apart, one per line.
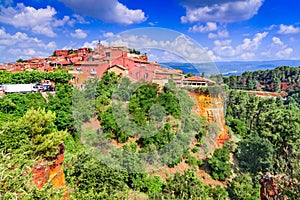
284 53
244 51
277 41
91 44
179 47
224 48
79 34
6 2
247 56
39 21
108 34
108 11
253 44
220 11
20 45
288 29
219 34
278 49
80 19
210 26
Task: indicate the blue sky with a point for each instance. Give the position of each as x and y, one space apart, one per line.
227 30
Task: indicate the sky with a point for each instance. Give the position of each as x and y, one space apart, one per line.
224 30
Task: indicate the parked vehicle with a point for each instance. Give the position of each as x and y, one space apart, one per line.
45 85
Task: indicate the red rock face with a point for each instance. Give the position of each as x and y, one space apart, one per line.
213 109
42 173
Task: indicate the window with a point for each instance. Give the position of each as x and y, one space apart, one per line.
107 54
146 75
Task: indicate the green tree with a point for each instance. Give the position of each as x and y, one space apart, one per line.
219 164
93 180
34 134
255 154
242 187
186 186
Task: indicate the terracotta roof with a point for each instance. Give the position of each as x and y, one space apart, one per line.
195 78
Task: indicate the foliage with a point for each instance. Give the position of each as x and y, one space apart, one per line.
219 164
32 127
133 51
110 127
188 186
26 77
150 185
61 104
255 154
107 84
34 134
20 60
141 101
190 74
270 80
22 143
83 102
15 180
243 187
93 180
16 105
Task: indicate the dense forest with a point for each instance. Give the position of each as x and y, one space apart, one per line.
279 79
143 126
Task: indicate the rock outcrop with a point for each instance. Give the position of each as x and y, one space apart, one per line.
43 173
213 109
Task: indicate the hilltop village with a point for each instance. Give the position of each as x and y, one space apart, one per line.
212 155
85 63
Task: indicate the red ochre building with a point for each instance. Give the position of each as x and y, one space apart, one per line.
86 63
118 59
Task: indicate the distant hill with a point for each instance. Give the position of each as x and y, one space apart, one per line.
231 67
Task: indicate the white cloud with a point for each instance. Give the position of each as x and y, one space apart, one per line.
20 45
92 44
228 11
210 26
247 56
271 27
288 29
79 34
245 51
250 45
224 48
284 53
278 49
39 21
277 41
108 11
153 23
179 47
80 19
6 2
108 34
219 34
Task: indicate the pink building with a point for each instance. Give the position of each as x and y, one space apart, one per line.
136 67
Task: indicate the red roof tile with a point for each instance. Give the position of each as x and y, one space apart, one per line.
195 78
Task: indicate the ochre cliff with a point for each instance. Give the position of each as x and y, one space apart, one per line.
42 173
213 109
